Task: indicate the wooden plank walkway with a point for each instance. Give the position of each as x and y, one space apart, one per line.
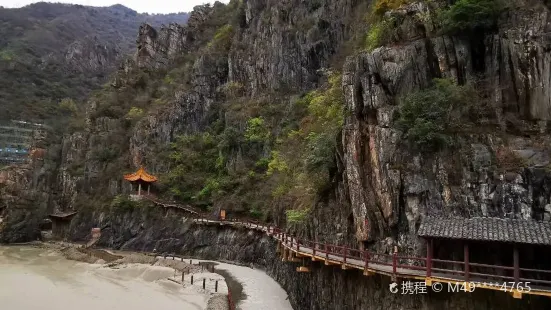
391 265
301 251
171 205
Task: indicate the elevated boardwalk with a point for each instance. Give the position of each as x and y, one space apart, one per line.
169 205
393 265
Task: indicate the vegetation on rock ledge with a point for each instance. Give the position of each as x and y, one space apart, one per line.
430 117
277 156
470 15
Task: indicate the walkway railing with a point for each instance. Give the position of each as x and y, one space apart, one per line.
230 300
525 280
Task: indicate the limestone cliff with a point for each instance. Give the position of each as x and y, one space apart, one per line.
25 198
385 186
392 186
255 60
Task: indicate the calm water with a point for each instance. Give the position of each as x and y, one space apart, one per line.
32 278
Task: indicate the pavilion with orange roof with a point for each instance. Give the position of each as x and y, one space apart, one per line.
140 177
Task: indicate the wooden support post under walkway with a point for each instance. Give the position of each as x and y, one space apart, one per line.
293 258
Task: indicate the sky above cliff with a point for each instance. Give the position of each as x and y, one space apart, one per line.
142 6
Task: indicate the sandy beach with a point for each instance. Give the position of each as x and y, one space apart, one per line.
63 276
55 282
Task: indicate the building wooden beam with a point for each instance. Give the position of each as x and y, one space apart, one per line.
429 257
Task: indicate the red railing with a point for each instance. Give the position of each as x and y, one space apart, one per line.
404 265
230 300
394 264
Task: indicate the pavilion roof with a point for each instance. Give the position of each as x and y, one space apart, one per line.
487 229
62 215
141 174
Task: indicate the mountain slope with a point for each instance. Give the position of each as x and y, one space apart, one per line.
51 51
343 123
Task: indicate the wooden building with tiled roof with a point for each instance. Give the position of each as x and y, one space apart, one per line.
488 243
140 178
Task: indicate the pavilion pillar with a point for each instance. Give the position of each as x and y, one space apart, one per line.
429 257
148 187
466 257
516 272
139 189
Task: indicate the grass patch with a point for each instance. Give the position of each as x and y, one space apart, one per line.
380 33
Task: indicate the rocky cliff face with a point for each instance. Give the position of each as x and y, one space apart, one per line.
382 187
385 183
391 186
88 55
52 51
25 197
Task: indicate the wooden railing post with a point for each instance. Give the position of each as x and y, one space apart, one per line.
314 249
326 251
516 272
429 258
298 245
366 255
345 249
394 260
466 258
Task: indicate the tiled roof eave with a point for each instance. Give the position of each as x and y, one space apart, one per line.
487 229
140 175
